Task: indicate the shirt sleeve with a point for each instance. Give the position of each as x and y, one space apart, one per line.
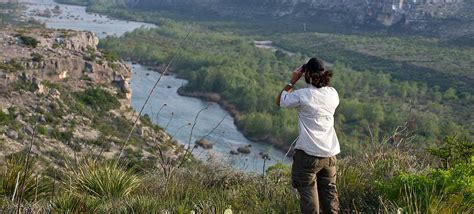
288 99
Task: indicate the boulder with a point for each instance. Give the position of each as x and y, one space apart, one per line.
244 149
28 130
233 152
204 144
89 67
12 134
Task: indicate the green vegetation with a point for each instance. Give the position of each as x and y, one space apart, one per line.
409 170
105 182
12 66
448 188
90 55
249 78
427 60
73 2
6 119
36 57
98 99
28 40
110 56
387 181
17 175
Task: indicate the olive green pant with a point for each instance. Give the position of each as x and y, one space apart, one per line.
315 180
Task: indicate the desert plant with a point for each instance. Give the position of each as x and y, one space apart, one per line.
101 181
18 182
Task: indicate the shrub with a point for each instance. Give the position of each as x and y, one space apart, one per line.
90 55
55 45
6 119
24 85
451 191
98 99
454 151
12 66
28 40
42 130
110 56
63 136
36 57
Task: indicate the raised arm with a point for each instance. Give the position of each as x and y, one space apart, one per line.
296 75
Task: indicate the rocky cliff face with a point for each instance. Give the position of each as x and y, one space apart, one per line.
60 55
69 100
355 12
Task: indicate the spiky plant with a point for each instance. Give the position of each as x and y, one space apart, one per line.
144 204
18 181
67 202
101 181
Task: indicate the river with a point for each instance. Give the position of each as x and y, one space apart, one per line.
179 110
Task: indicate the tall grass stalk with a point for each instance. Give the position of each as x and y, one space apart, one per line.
149 95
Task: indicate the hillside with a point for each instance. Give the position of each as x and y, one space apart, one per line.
68 100
442 18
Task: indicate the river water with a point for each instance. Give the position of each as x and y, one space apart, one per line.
179 111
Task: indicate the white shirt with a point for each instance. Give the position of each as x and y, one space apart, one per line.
316 107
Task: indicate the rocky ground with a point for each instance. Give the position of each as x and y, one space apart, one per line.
69 100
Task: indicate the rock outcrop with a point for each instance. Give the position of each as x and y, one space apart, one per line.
414 13
60 56
58 88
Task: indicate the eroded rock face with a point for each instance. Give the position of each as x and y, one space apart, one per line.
122 83
40 84
355 12
60 56
81 41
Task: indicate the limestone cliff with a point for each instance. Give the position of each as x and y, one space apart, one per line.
420 15
69 100
60 55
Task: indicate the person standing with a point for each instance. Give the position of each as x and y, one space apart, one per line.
313 172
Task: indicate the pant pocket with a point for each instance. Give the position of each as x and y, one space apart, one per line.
302 179
332 161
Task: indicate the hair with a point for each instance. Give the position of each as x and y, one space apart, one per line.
316 74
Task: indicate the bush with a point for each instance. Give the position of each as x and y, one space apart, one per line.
64 136
12 66
36 57
110 56
98 99
6 119
454 151
28 40
451 191
42 130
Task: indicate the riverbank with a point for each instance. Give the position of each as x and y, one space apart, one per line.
215 97
180 110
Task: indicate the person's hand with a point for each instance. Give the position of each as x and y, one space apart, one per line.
297 73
